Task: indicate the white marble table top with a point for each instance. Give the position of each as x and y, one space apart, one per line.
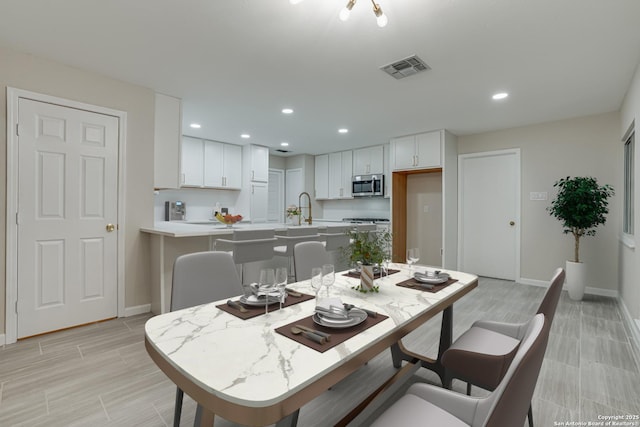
247 363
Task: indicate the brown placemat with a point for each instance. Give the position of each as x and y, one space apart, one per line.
338 336
414 284
356 275
253 311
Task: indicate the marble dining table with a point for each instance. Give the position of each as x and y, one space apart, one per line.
246 372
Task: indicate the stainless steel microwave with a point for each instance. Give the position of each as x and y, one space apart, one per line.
367 185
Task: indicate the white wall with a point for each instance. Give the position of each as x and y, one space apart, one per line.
630 257
28 72
586 146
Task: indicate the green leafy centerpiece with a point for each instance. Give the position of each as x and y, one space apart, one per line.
367 251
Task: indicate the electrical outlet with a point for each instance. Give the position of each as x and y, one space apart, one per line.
538 195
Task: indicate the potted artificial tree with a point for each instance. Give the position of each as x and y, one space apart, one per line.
581 205
367 251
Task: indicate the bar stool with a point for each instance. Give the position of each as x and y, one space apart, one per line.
287 241
248 246
335 238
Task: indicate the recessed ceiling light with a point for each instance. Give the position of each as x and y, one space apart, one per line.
195 125
500 95
287 111
245 136
343 130
284 144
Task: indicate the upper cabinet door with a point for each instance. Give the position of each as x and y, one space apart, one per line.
232 167
335 175
428 150
322 176
403 152
192 165
213 164
347 174
168 122
368 160
259 163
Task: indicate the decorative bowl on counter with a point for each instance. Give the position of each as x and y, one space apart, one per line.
228 219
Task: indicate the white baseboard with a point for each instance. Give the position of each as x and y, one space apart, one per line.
589 290
633 324
2 339
138 309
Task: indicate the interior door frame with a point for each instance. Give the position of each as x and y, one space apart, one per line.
281 192
11 278
518 196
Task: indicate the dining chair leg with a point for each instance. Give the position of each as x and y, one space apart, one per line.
530 416
468 389
177 412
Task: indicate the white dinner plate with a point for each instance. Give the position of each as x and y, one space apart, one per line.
431 279
356 316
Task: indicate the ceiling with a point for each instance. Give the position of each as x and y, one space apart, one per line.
237 63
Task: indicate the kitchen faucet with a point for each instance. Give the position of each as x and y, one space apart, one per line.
309 219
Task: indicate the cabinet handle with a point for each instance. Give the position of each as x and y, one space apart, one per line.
224 181
253 187
253 175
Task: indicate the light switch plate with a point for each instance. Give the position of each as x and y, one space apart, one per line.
538 195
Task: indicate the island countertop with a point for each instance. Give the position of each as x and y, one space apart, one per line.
203 228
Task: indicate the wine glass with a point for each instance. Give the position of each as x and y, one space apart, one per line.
413 255
266 285
281 283
328 276
316 280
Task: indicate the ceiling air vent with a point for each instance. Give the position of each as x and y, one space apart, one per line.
405 67
280 150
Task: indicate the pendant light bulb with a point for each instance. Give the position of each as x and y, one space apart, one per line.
344 13
381 18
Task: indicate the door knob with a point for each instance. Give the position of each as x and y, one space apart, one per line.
512 223
110 228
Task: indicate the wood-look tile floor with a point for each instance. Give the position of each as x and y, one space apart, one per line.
101 375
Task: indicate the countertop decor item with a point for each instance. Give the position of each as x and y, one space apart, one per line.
581 205
228 219
366 250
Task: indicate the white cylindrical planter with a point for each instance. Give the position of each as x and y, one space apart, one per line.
576 279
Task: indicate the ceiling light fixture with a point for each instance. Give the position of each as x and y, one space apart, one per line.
295 1
245 136
284 144
343 130
287 111
381 18
195 125
501 95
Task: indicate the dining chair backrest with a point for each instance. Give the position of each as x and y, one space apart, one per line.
307 255
203 277
552 296
508 404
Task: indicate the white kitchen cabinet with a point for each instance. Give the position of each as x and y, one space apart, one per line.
322 177
192 164
340 174
422 151
167 132
259 163
259 202
387 171
211 164
368 160
222 165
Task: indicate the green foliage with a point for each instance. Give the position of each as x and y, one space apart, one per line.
581 205
368 248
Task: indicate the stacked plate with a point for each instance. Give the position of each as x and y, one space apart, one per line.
351 318
431 277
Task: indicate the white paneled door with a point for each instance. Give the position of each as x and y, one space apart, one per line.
489 214
67 212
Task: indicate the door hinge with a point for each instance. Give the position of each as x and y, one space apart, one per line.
17 129
17 218
16 306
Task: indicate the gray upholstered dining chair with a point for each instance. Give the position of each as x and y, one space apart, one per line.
426 405
200 278
307 255
482 354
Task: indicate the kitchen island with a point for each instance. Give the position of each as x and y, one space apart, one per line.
170 239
